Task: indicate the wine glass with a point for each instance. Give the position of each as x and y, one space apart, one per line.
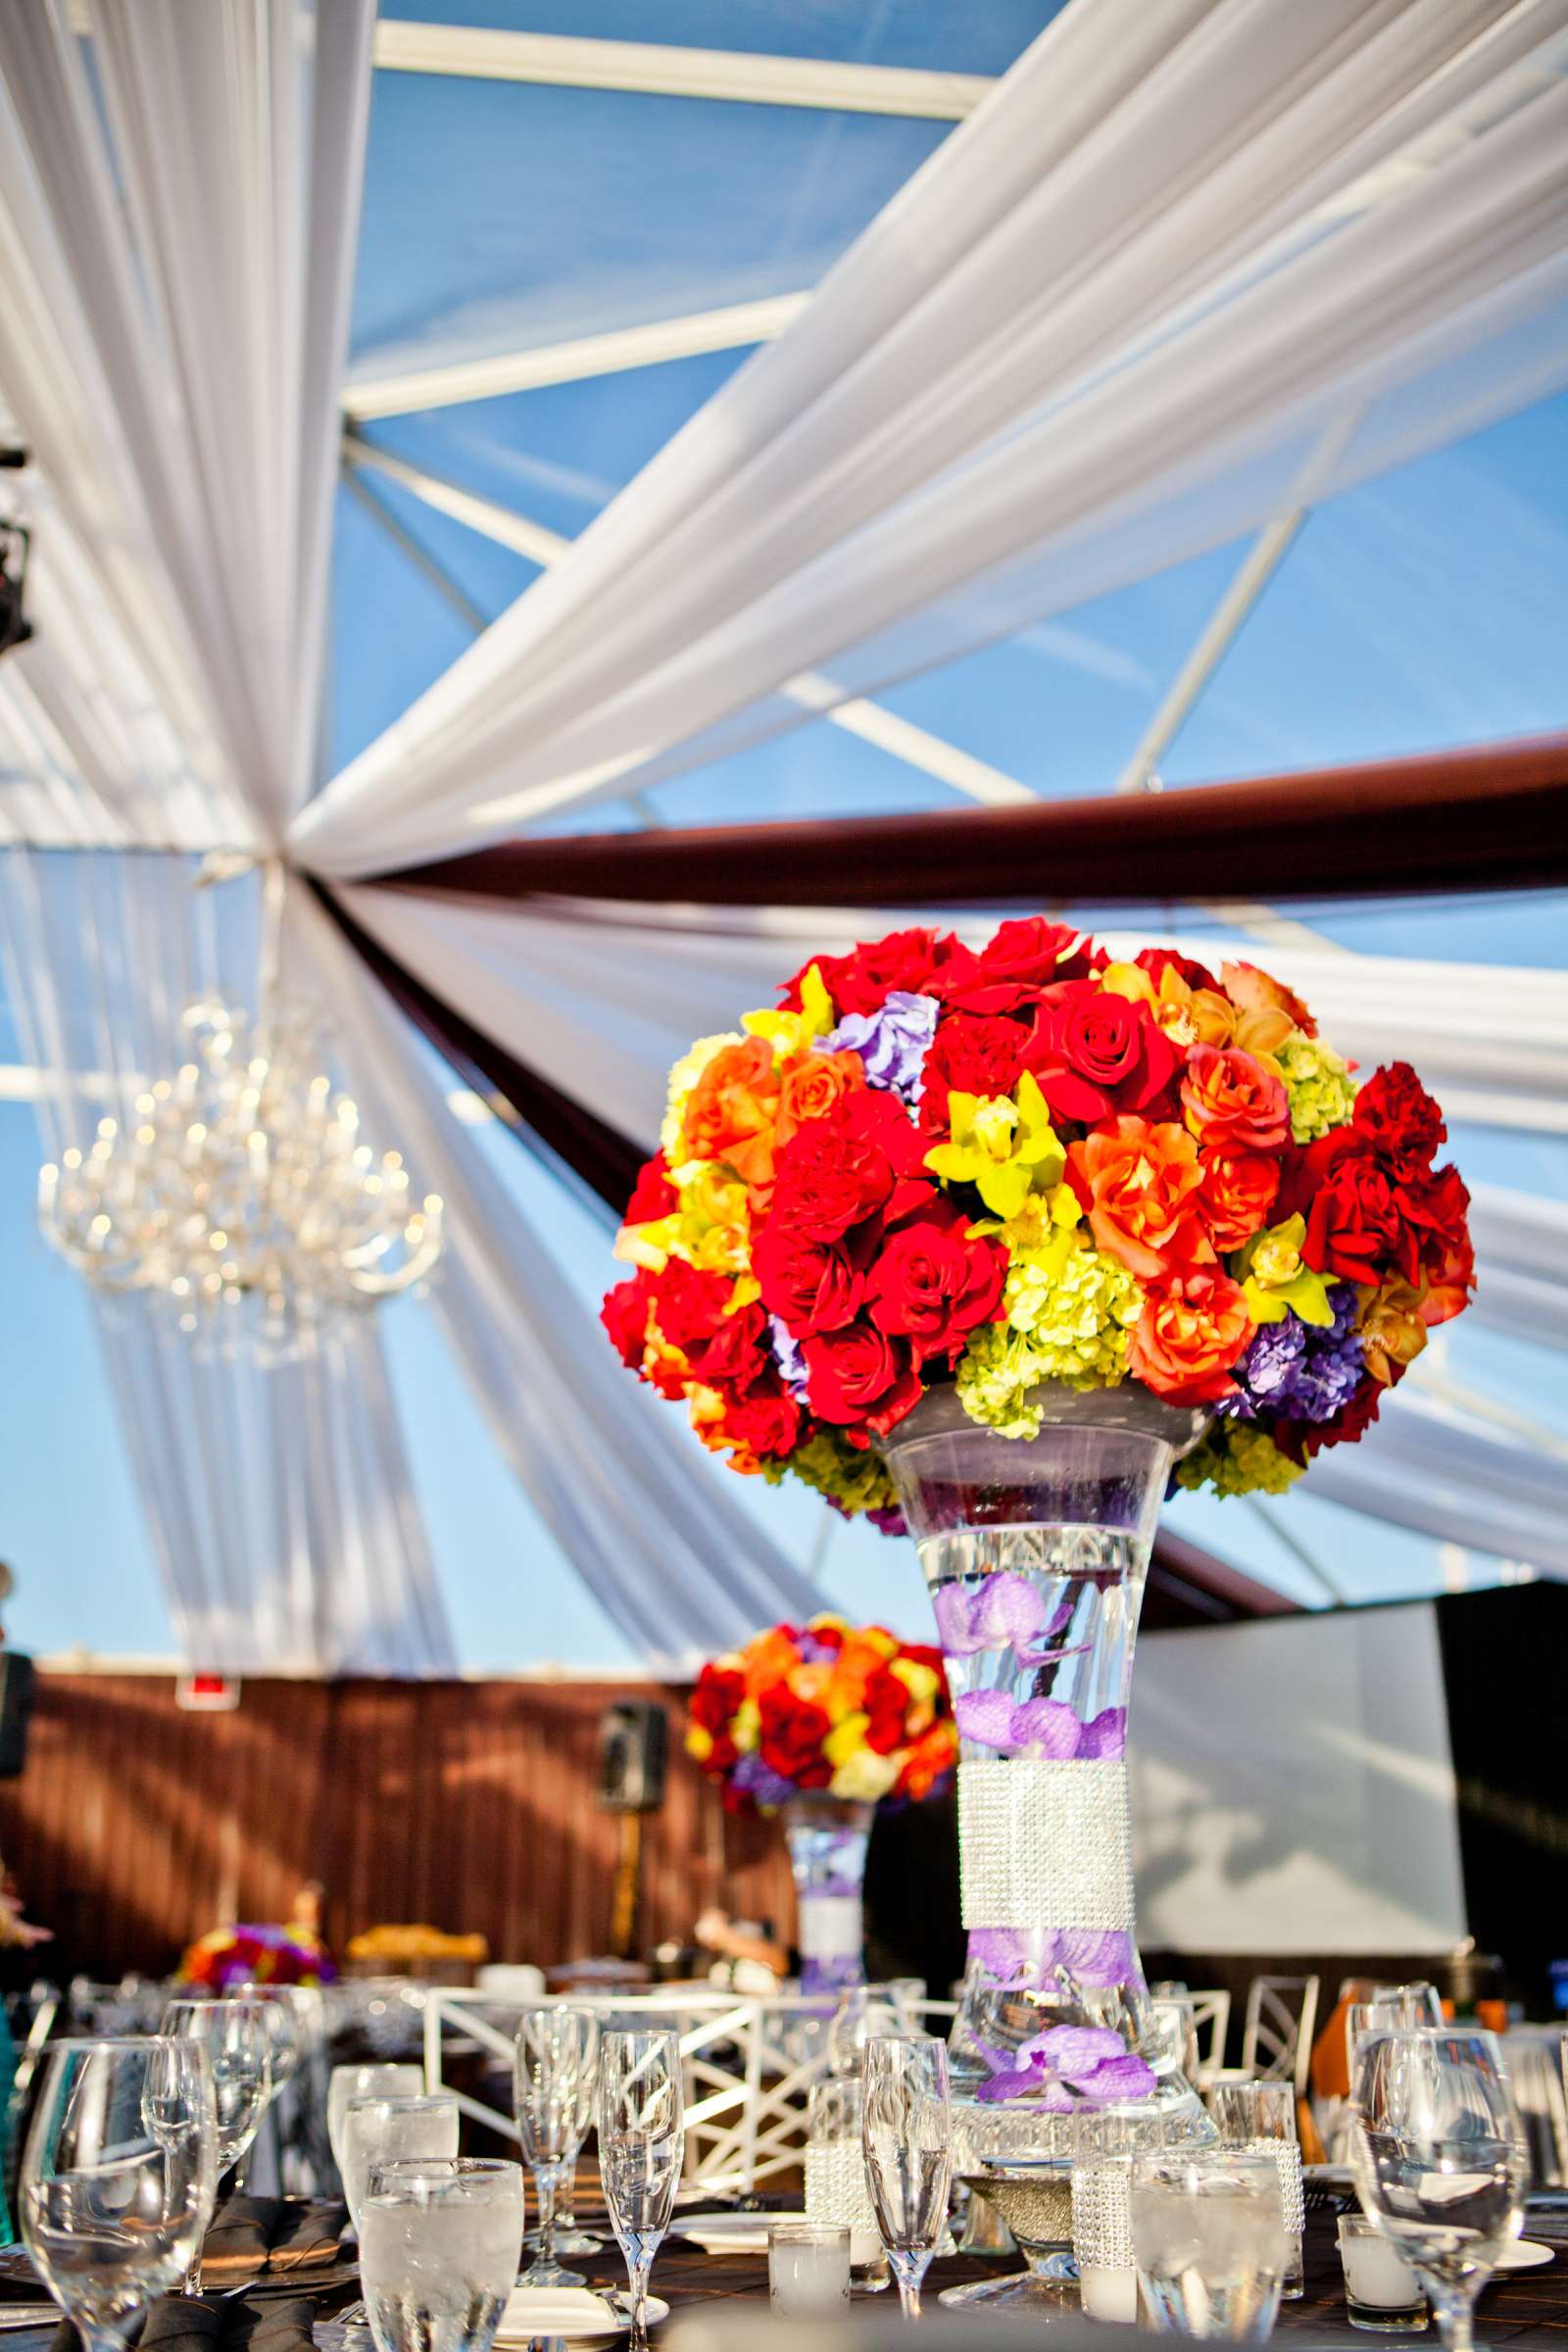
439 2246
1438 2157
1390 2006
908 2154
239 2049
119 2178
351 2083
1209 2240
376 2131
290 2015
642 2147
551 2072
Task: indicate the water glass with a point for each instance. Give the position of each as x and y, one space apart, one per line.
1382 2292
907 2130
439 2247
377 2131
119 2178
351 2083
1261 2115
1210 2242
807 2268
1437 2153
553 2073
238 2042
1390 2006
642 2147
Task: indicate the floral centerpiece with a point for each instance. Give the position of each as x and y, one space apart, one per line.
995 1244
257 1954
824 1721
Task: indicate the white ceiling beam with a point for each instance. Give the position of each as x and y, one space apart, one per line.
662 70
442 385
899 737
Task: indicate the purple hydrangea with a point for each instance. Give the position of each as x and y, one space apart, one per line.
892 1043
789 1358
1300 1371
760 1781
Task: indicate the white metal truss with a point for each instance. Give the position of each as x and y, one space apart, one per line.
899 737
661 70
648 345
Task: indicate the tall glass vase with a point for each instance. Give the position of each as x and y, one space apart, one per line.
827 1837
1035 1550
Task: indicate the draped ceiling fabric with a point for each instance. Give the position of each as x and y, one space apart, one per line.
1189 264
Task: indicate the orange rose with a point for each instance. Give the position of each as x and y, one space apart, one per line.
1252 990
768 1660
935 1752
1137 1179
730 1111
1232 1103
1237 1193
812 1085
1188 1336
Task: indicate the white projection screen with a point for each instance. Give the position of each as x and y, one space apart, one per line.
1293 1787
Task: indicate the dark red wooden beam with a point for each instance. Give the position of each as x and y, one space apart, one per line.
1494 818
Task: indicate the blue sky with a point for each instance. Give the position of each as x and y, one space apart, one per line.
1420 610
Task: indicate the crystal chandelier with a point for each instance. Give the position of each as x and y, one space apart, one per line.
242 1181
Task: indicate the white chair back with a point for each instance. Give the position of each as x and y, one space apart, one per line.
1280 2022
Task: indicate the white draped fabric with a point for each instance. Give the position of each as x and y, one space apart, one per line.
1144 279
1190 260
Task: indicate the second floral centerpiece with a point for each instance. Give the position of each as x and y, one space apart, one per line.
822 1722
994 1243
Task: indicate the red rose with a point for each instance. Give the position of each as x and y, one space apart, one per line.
861 1377
766 1420
887 1703
933 1285
812 1286
625 1315
1438 1212
908 960
1238 1191
1232 1102
790 1742
865 1157
719 1694
738 1352
688 1304
1399 1120
1094 1054
654 1196
1032 949
1354 1225
976 1054
1156 961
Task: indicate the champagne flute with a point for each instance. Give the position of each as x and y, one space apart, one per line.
350 2083
909 2155
239 2049
439 2246
119 2179
569 2238
642 2147
554 2059
1437 2152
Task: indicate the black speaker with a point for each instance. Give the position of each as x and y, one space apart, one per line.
16 1706
633 1741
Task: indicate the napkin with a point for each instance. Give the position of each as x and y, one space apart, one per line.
213 2324
541 2310
269 2233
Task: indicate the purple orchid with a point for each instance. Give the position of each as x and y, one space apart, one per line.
1066 2064
1026 1959
1039 1727
1004 1611
892 1043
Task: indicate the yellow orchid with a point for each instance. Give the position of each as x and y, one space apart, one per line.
1005 1148
790 1033
747 1727
1276 1278
1189 1015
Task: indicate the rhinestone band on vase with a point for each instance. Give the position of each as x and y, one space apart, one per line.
1046 1843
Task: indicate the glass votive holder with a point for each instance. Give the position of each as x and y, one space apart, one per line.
808 2267
1105 2141
1381 2290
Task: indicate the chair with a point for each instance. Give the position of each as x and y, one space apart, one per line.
1277 2033
1211 2025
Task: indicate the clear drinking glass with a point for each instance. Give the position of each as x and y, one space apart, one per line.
350 2083
1382 2293
377 2131
439 2247
238 2042
1210 2242
553 2070
119 2179
1261 2116
642 2147
908 2152
1390 2006
1438 2154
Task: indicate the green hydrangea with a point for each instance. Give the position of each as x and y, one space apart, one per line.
856 1481
1068 1310
1319 1084
1236 1458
